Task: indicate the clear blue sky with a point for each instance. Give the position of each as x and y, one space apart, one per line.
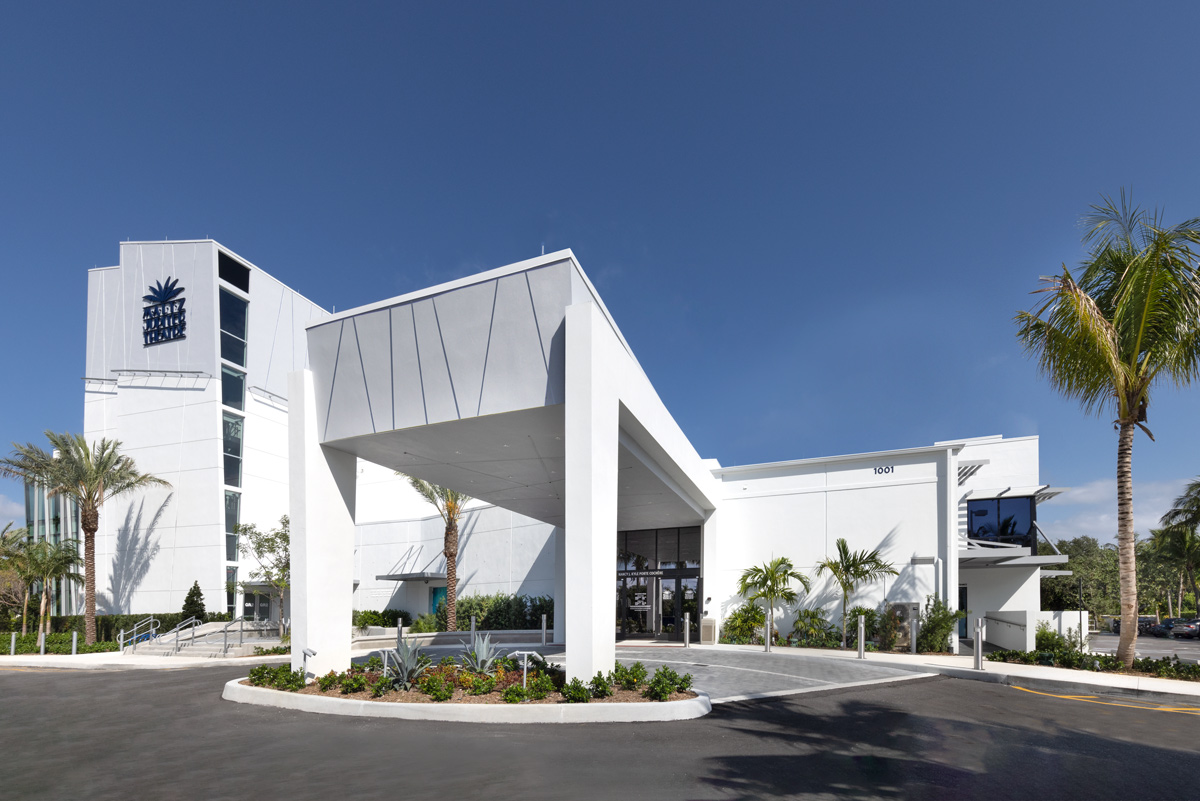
812 221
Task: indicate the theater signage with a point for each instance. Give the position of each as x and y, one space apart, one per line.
164 319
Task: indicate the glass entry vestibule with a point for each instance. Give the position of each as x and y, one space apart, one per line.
658 581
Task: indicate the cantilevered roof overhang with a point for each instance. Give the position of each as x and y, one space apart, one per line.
463 385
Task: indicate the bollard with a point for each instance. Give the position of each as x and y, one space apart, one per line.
543 631
399 632
687 629
912 635
472 628
42 642
12 645
978 644
862 630
121 640
74 643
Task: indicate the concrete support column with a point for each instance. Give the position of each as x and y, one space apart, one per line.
948 540
321 504
560 585
591 493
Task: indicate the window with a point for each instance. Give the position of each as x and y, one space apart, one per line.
1006 520
231 590
233 328
233 450
233 388
231 270
233 504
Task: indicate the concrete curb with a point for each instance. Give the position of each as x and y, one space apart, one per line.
79 662
472 713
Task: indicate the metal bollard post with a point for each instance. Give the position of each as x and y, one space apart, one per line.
472 628
74 643
42 642
862 629
978 649
687 629
399 632
225 642
12 645
543 631
912 635
121 640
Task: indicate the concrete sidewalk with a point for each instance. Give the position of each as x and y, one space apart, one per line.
1033 677
113 660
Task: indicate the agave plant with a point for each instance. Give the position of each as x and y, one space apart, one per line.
162 292
482 657
407 663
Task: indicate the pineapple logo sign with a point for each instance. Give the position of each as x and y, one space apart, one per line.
164 319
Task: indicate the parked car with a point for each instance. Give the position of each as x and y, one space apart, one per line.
1164 628
1186 628
1144 624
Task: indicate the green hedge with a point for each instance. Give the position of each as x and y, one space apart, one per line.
386 618
55 644
1167 667
500 612
108 626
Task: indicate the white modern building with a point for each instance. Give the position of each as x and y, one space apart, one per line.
516 387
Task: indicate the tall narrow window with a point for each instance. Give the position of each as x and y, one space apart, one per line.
231 270
233 503
233 450
233 388
231 590
233 328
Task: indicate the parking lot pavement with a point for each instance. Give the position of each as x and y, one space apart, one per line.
1149 646
115 735
728 675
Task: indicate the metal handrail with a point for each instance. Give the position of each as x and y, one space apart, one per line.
191 623
1006 622
241 621
151 623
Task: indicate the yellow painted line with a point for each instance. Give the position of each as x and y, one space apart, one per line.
1091 699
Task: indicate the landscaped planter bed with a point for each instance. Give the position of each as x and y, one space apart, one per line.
462 697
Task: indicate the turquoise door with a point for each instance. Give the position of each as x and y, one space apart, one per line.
437 597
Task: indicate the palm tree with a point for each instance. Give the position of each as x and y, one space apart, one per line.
771 583
14 557
50 562
450 505
87 475
1132 318
850 568
1178 542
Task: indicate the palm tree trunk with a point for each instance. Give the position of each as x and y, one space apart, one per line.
1179 603
1195 593
451 550
767 627
89 520
25 614
1127 555
845 600
42 607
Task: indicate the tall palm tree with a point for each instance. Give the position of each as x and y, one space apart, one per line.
450 506
1132 318
88 475
50 562
852 568
771 583
14 557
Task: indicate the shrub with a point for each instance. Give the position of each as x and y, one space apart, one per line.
447 661
576 692
870 623
600 686
353 683
540 687
811 627
374 664
742 622
514 694
1048 640
55 644
261 676
889 627
662 684
424 624
482 685
380 686
628 678
278 649
937 623
328 681
281 677
499 611
437 687
386 618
